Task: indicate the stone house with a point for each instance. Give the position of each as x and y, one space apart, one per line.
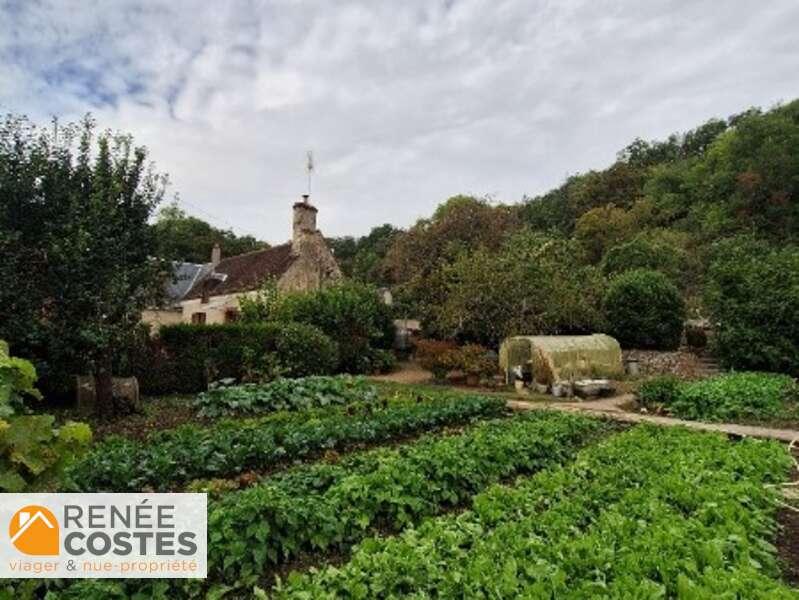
212 295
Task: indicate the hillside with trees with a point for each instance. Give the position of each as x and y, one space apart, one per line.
713 212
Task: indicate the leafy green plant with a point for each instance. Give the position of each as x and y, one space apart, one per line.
645 310
651 512
736 396
285 394
17 380
435 356
658 392
174 457
33 451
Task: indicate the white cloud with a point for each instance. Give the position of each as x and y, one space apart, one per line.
403 103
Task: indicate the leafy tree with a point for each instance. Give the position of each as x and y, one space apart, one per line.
182 237
74 231
362 258
645 310
752 294
532 285
644 253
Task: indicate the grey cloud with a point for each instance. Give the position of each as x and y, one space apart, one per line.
403 103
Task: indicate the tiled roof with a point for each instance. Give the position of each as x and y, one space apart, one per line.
244 272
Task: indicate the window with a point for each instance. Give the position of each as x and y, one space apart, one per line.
231 315
198 318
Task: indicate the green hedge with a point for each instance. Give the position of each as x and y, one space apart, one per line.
171 458
186 358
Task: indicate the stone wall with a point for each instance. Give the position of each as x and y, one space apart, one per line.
681 363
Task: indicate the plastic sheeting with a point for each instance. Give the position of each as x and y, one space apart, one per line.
553 358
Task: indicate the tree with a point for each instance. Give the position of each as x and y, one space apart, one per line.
362 258
74 211
182 237
752 293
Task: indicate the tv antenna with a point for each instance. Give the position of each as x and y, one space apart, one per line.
309 166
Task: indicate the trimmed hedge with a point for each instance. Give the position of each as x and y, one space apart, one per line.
171 458
186 358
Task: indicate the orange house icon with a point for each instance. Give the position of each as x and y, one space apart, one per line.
34 530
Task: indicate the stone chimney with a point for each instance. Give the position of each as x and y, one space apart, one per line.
304 221
216 255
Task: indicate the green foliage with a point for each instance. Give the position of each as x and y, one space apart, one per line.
77 248
729 397
645 310
752 293
534 285
642 253
473 359
659 392
34 453
186 358
329 507
695 337
351 314
17 381
285 394
226 448
362 258
262 306
649 513
181 237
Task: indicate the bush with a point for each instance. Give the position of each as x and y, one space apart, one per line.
350 313
645 310
752 294
472 359
435 356
285 394
185 358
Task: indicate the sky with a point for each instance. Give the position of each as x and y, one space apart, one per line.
403 103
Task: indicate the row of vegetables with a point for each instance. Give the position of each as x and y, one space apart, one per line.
170 459
648 513
320 508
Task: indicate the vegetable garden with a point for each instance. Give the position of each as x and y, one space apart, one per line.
333 487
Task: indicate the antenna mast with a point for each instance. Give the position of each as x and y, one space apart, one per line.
309 167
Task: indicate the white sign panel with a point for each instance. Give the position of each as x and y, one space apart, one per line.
103 535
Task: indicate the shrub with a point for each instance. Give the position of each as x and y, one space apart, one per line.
185 358
435 356
17 381
350 313
752 294
645 310
285 394
472 359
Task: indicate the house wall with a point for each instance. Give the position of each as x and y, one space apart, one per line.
157 318
313 268
215 309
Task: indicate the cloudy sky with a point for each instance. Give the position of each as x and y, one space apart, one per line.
404 103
